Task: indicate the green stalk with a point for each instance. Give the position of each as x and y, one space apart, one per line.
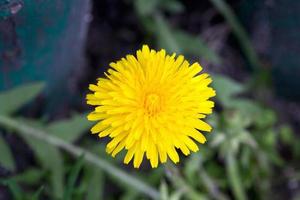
239 32
234 177
76 151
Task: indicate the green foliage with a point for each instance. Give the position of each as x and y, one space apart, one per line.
234 177
171 39
50 159
70 187
286 135
70 129
94 177
14 188
193 45
29 177
226 89
12 101
6 157
165 36
148 7
16 98
17 192
245 139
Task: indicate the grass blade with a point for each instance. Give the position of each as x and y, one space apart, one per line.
72 179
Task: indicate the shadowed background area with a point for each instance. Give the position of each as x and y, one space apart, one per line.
50 51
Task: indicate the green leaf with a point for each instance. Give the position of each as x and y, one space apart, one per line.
247 108
6 157
30 176
193 45
14 188
15 98
286 135
173 6
146 7
236 120
96 183
267 118
181 42
226 88
165 35
49 157
72 179
70 129
149 7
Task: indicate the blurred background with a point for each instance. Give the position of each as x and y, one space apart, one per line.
50 50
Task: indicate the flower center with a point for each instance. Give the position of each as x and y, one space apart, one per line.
152 104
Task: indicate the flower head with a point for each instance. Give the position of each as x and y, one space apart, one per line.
151 104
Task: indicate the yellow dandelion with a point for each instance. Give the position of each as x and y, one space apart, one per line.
151 104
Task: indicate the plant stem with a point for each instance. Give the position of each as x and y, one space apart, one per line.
76 151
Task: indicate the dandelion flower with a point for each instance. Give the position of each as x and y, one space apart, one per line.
151 104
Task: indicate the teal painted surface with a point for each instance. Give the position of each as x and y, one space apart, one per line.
281 22
285 47
42 41
9 7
